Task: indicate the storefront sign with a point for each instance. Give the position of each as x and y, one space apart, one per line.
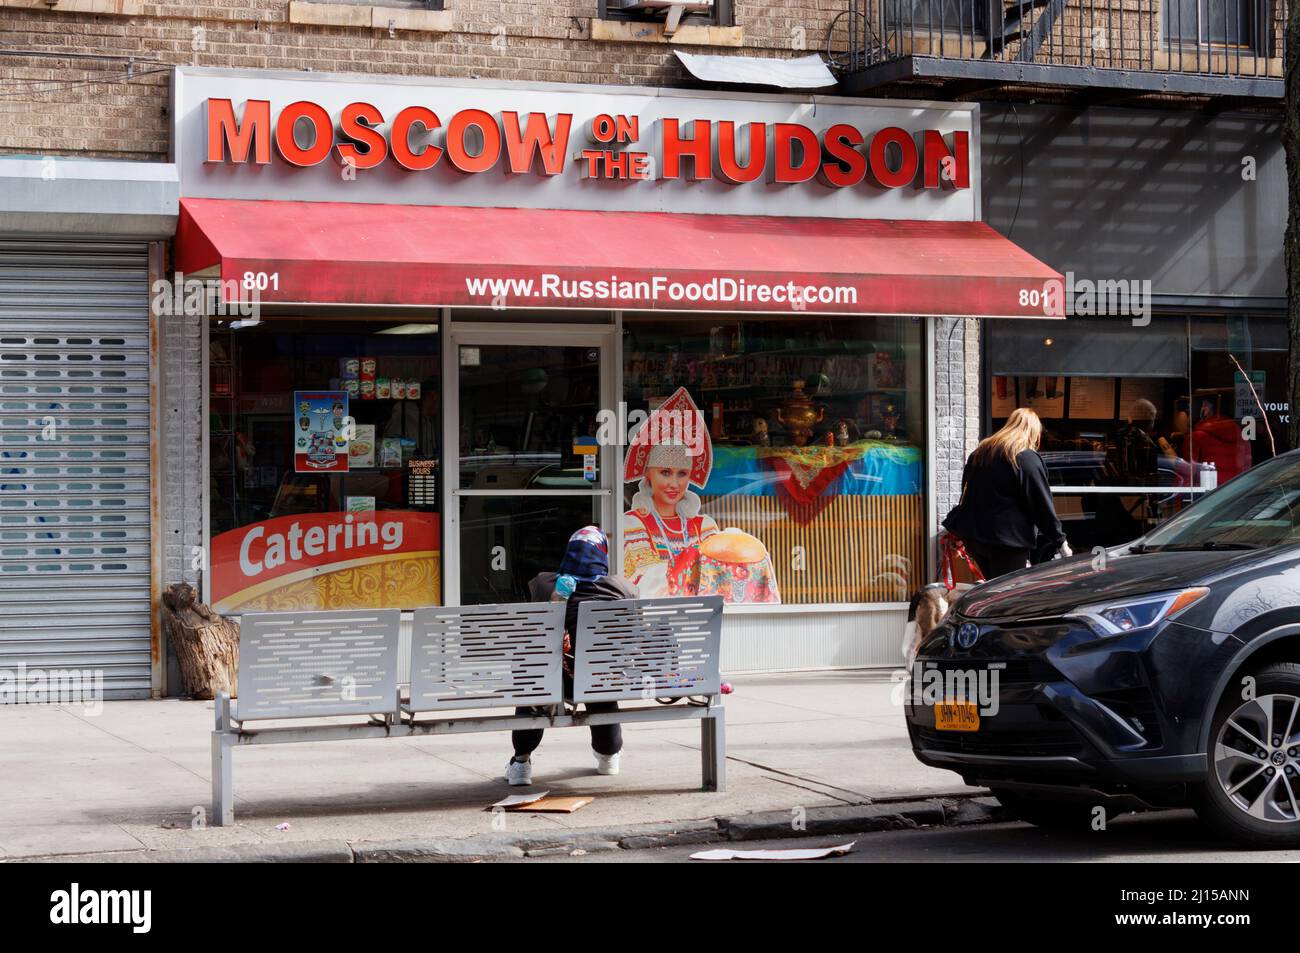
288 137
475 141
328 561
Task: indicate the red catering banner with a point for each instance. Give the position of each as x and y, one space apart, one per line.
376 559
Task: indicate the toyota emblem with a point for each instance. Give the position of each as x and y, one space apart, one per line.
967 635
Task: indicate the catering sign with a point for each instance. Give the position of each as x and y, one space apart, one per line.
380 558
295 137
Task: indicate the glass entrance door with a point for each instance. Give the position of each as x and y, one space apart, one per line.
528 470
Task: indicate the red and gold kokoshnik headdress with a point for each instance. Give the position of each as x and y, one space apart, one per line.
674 435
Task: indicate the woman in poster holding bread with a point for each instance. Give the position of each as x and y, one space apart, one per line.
665 518
670 548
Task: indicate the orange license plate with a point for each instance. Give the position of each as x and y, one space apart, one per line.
957 716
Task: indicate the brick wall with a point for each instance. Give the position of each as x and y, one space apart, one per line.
58 101
956 405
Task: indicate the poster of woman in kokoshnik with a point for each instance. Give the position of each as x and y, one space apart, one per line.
670 547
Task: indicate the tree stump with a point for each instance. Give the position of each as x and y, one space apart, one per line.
207 645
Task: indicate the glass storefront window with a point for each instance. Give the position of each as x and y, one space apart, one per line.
1239 410
324 441
1138 420
814 430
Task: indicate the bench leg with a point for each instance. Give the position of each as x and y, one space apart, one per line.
223 742
713 750
223 794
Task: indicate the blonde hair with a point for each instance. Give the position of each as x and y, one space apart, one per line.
1022 431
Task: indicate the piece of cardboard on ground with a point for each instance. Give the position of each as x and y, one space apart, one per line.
554 805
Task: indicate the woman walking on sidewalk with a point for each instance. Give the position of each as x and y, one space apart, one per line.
584 574
1006 514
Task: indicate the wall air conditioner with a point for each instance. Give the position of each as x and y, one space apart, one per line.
671 10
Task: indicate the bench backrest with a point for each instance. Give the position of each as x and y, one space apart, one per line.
300 664
647 648
487 656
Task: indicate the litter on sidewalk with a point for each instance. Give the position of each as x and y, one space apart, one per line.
554 805
540 803
517 800
797 853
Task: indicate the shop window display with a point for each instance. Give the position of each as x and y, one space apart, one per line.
1139 421
804 487
323 449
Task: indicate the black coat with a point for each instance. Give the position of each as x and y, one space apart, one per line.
1008 506
605 589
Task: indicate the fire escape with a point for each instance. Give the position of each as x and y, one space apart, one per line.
1194 52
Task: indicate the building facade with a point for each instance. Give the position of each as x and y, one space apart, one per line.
195 448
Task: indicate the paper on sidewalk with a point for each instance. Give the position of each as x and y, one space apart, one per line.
515 800
797 853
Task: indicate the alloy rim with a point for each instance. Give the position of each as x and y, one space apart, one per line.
1255 758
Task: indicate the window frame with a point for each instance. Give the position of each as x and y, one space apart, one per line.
978 27
434 5
724 14
1257 38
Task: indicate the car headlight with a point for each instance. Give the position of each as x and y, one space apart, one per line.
1118 618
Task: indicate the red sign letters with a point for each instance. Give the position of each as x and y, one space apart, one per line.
473 140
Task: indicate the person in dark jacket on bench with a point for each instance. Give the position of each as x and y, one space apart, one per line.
584 574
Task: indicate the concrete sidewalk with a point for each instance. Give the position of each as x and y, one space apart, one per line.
132 777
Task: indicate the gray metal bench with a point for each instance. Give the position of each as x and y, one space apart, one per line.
315 665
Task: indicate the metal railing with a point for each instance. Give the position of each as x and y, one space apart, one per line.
1208 37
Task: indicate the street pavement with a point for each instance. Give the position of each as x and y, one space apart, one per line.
1165 837
129 782
136 776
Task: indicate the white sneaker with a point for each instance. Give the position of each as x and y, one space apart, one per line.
519 773
606 763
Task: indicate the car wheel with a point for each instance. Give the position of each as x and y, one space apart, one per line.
1046 811
1252 793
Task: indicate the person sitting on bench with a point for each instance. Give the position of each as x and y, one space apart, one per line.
584 574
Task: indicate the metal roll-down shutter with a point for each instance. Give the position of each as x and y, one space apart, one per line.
74 460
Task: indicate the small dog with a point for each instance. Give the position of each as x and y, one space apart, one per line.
926 611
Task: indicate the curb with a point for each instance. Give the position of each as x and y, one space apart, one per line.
958 810
303 852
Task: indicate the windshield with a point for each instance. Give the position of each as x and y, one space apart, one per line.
1259 508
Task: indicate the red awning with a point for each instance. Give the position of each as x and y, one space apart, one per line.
339 253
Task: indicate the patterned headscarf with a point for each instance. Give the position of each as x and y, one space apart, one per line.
586 558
